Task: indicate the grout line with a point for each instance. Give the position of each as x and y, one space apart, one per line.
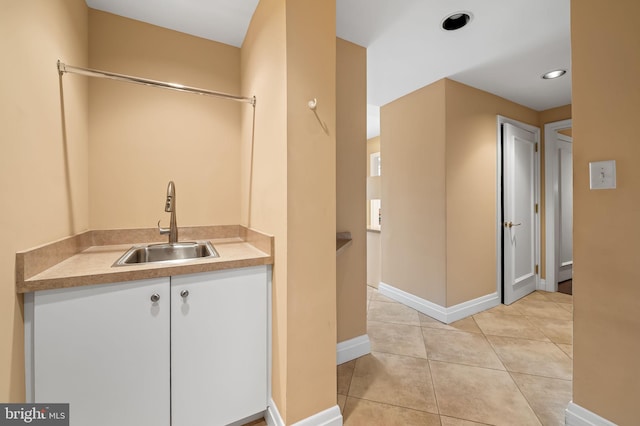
485 335
433 385
393 405
525 398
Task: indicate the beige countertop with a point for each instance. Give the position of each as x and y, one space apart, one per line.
88 258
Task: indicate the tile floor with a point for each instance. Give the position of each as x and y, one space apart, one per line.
510 365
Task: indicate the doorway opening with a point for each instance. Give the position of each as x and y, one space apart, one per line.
559 205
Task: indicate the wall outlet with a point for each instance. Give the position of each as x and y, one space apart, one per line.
602 174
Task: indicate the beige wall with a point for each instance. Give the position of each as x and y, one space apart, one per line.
264 162
44 173
468 144
143 137
311 173
412 146
554 114
351 166
605 42
471 187
439 190
289 58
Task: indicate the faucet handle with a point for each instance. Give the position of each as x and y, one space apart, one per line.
163 231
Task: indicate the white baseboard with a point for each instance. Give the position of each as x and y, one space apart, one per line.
329 417
575 415
272 415
442 314
352 349
542 285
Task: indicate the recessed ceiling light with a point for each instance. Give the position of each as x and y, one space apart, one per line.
455 21
553 74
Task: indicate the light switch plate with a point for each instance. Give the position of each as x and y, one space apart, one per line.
602 174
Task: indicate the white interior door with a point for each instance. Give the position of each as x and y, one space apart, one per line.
520 230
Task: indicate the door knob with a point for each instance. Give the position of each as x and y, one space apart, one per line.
184 293
155 297
511 224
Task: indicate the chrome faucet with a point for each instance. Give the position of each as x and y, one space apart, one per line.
170 206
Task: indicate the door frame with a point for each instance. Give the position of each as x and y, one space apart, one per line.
552 212
500 120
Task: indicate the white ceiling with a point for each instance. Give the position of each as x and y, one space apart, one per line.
504 50
225 21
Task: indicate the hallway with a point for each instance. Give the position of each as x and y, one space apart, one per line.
505 366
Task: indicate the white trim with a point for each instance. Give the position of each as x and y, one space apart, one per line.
329 417
29 354
576 415
551 199
499 220
269 331
440 313
272 415
352 349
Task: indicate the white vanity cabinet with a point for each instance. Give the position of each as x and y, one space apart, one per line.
181 351
218 346
104 350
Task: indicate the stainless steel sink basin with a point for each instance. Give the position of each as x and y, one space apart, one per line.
172 252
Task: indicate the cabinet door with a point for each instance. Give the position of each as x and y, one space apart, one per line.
218 346
104 350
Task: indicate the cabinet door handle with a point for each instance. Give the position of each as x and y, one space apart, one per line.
184 293
155 297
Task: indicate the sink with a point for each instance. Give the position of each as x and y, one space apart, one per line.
172 252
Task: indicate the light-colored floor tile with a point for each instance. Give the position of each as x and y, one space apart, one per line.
345 373
508 325
538 295
360 412
393 379
460 347
465 324
450 421
397 388
566 306
480 395
567 349
548 397
540 309
393 312
558 331
559 297
396 339
381 298
342 400
504 309
532 357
